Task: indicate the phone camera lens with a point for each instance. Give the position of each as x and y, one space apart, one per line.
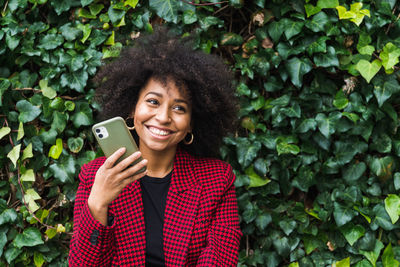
100 135
97 130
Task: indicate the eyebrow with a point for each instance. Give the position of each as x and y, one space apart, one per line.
178 100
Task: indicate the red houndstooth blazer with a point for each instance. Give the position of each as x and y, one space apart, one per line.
201 225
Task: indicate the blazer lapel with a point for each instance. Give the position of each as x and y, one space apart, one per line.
181 209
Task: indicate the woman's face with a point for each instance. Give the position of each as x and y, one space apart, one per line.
162 116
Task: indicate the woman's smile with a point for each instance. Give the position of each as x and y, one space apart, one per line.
158 132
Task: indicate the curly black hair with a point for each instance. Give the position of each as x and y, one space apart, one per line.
162 56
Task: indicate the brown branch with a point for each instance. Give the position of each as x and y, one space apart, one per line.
219 10
72 98
205 4
391 24
27 89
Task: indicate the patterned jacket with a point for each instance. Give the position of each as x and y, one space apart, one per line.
201 224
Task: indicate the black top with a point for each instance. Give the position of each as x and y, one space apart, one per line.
154 197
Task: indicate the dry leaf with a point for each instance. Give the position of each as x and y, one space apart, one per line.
267 43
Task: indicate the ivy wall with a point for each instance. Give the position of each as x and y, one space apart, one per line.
317 153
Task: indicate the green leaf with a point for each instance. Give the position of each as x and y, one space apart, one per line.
86 29
286 148
28 176
64 170
368 70
388 259
29 238
4 85
38 259
50 232
292 27
327 125
83 13
96 8
27 111
366 50
61 5
30 197
327 3
307 125
304 179
372 256
75 80
263 220
343 263
340 100
12 253
384 88
392 206
343 214
47 91
396 180
311 10
247 152
4 131
75 144
344 14
389 56
12 41
382 167
189 17
166 9
112 51
297 68
311 243
131 3
352 232
318 46
13 155
21 132
328 59
55 150
86 2
287 226
59 121
275 30
83 115
354 171
255 179
8 216
51 41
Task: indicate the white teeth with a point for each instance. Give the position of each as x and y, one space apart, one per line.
158 131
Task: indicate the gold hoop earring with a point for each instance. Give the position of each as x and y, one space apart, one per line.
130 128
190 141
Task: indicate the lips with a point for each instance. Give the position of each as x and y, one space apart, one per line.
158 131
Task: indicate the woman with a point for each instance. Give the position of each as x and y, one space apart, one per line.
182 211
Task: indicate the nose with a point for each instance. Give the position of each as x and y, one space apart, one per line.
163 115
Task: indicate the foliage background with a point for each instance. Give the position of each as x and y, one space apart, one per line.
317 153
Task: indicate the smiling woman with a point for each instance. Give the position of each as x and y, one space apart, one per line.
182 211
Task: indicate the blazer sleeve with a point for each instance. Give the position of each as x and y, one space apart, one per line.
223 238
91 243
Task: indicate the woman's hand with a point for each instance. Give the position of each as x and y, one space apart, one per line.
110 180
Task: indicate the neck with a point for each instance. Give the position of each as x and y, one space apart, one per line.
160 163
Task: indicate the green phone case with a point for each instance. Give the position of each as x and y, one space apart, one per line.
113 134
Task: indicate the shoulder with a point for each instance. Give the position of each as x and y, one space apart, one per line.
89 170
212 171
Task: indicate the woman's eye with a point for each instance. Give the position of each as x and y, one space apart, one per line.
180 108
152 101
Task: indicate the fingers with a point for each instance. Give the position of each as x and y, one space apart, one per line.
133 171
110 161
128 161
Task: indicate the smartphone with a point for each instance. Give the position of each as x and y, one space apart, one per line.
113 134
